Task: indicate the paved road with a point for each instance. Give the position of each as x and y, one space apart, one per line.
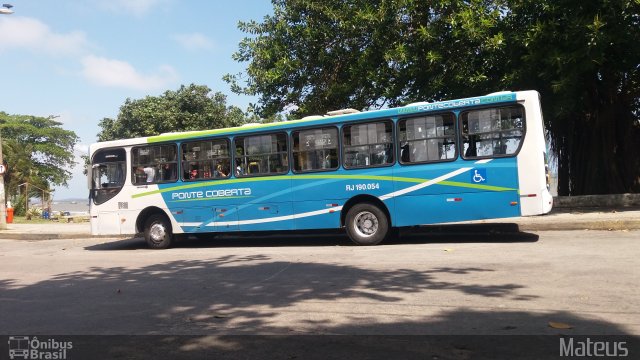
420 284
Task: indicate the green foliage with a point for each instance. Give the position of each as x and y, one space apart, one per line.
321 56
34 213
583 57
37 150
585 60
192 107
19 208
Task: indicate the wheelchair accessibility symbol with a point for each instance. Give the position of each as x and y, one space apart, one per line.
479 176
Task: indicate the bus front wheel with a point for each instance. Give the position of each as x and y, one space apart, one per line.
366 224
157 232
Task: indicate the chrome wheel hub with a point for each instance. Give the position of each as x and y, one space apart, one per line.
365 224
157 232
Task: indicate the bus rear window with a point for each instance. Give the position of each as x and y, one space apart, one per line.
108 172
492 132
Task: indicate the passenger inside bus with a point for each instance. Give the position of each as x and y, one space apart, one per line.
239 169
168 172
404 153
222 170
145 172
191 170
472 150
254 167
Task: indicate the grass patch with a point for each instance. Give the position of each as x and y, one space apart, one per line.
34 220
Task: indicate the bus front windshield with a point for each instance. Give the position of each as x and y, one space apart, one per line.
108 173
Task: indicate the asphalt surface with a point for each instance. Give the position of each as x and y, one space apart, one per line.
504 292
421 283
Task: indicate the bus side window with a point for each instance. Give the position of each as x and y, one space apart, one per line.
367 145
492 132
315 149
427 138
154 164
264 154
205 159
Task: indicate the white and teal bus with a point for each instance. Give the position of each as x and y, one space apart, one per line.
368 172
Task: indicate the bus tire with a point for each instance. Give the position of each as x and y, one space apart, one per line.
157 232
366 224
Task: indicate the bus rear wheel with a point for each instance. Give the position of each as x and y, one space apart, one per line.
366 224
157 232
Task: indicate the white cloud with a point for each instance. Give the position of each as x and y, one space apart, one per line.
116 73
81 149
24 33
135 7
32 34
193 41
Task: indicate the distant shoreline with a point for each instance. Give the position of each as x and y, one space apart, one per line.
72 206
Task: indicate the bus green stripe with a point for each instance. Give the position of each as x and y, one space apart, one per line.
227 131
325 177
475 186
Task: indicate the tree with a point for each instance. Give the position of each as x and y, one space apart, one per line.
37 150
582 57
192 107
320 56
585 60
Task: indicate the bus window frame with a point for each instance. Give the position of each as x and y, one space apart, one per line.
235 155
494 106
177 161
117 189
338 148
455 136
368 121
184 142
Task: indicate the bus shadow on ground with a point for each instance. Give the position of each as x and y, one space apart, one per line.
458 233
464 233
248 295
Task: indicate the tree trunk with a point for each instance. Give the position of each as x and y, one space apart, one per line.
602 151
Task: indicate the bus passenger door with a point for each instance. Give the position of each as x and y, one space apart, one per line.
266 216
225 218
193 219
269 208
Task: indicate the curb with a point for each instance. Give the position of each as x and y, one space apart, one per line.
38 237
606 225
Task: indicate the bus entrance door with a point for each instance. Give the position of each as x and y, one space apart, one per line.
225 218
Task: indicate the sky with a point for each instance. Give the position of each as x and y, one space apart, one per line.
81 59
